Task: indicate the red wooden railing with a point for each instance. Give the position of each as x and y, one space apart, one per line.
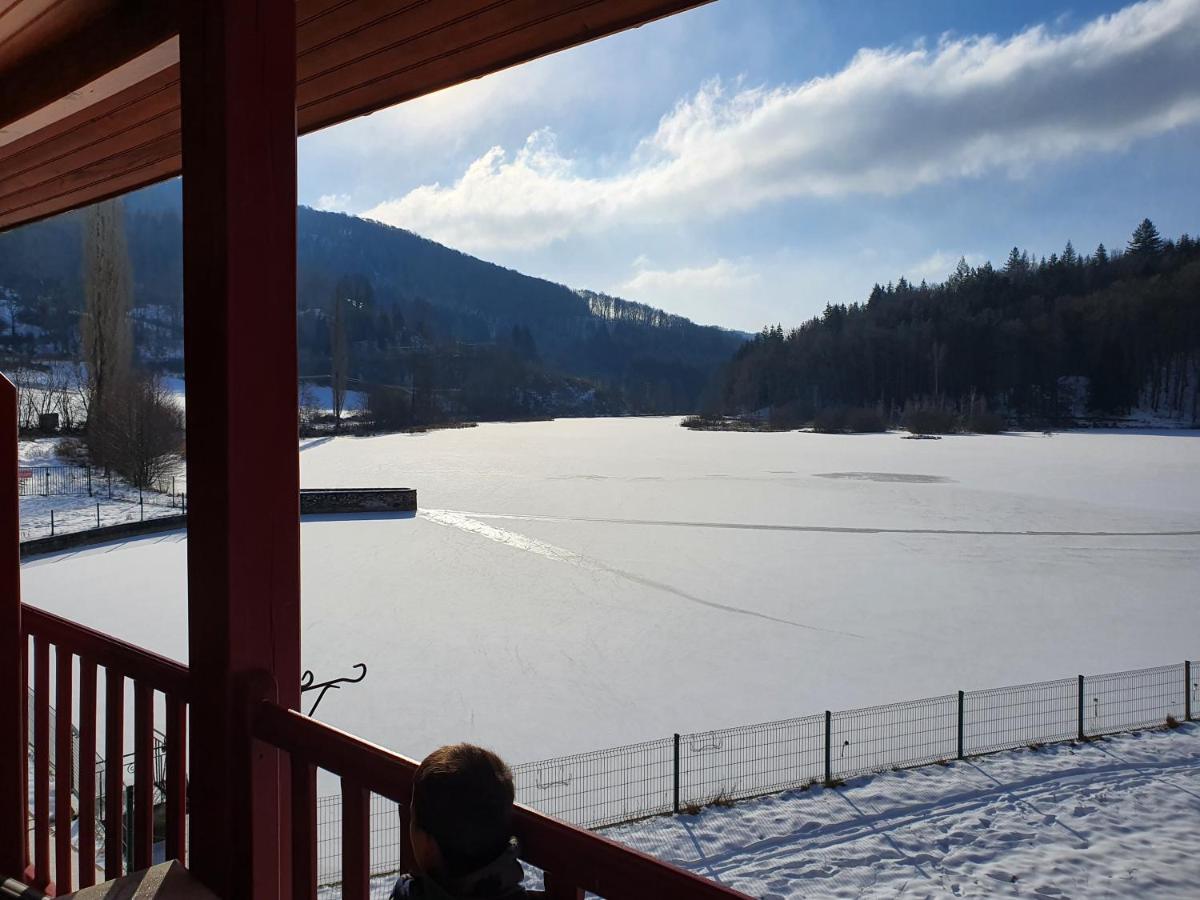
78 648
574 861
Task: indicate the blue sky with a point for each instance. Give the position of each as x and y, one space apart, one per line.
746 162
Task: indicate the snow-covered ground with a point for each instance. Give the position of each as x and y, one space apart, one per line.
1114 818
579 584
107 505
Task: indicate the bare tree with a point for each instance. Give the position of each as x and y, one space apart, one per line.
108 293
141 435
352 295
339 357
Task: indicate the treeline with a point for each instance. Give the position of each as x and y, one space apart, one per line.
1098 334
483 341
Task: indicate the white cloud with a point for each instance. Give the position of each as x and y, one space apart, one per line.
714 293
893 120
333 202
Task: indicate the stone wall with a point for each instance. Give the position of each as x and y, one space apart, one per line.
357 500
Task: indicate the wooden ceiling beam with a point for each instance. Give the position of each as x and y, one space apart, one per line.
85 51
353 57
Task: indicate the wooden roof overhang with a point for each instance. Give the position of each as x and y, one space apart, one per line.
90 94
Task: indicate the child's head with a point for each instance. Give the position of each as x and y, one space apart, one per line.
461 809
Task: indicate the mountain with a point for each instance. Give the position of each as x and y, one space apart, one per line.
1103 336
485 339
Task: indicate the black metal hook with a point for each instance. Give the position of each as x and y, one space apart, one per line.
307 683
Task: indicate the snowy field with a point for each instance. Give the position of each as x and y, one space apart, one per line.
579 584
1116 818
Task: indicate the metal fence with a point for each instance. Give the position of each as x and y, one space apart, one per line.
687 771
54 481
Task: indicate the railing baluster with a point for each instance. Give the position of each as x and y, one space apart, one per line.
41 761
114 750
143 775
87 773
64 768
176 763
304 829
356 840
560 889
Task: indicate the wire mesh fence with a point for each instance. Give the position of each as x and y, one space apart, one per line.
1008 717
736 763
1133 699
894 736
603 787
686 771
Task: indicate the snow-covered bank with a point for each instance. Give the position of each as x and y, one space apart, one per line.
1113 818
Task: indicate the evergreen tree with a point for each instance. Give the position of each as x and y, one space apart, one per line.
1146 240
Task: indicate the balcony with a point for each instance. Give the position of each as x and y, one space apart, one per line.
98 99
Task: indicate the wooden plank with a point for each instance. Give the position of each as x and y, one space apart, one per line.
64 768
74 51
41 761
356 841
304 829
114 761
87 772
500 35
176 787
143 775
14 755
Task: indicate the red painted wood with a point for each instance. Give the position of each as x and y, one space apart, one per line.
356 841
239 226
87 772
176 739
559 888
578 858
304 830
161 673
14 787
41 761
114 787
64 767
143 775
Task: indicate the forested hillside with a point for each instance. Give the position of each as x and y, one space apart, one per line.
1069 337
452 331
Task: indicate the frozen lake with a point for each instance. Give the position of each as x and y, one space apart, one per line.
578 584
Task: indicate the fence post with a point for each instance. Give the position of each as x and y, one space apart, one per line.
89 478
51 523
828 747
961 705
128 829
1081 707
1187 690
97 515
46 482
677 774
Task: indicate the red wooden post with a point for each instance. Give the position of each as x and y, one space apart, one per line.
238 67
64 768
304 830
356 840
114 763
143 775
87 772
41 762
176 740
14 792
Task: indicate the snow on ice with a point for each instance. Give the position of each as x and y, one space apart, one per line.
579 584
